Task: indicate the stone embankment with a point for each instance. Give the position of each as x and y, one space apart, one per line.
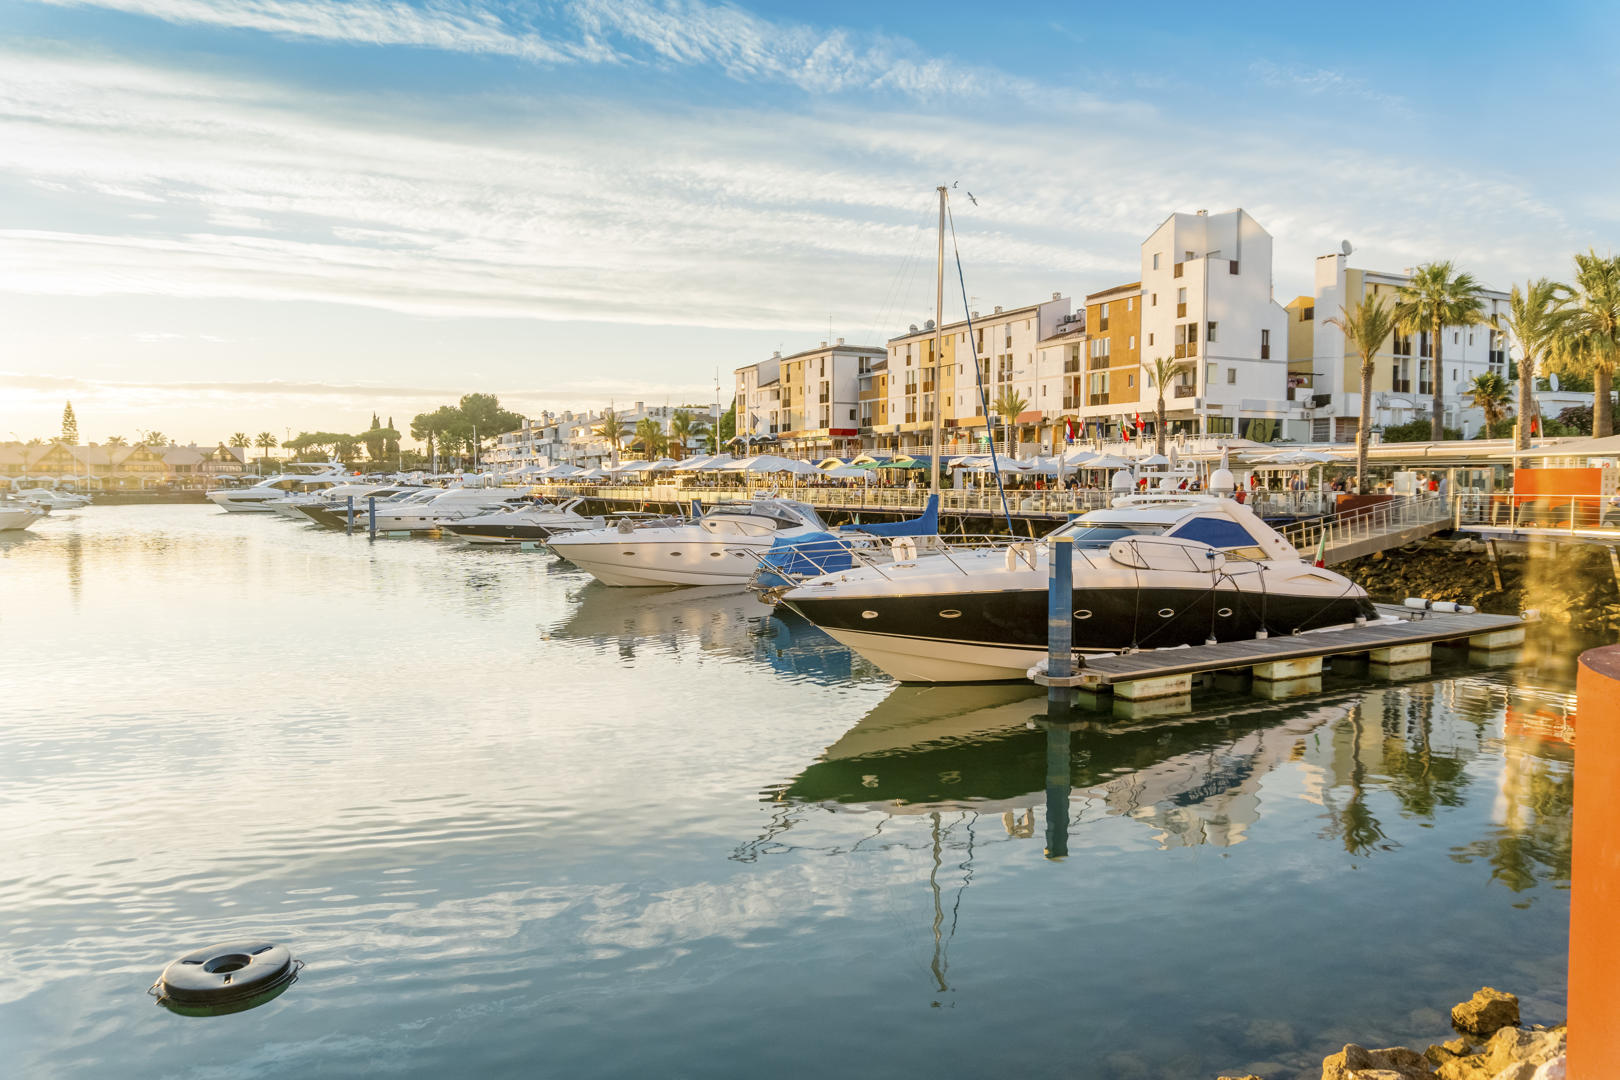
1491 1046
1572 585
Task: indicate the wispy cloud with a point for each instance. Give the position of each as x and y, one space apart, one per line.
1320 82
675 33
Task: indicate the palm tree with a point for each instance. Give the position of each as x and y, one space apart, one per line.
115 440
1491 393
1163 371
650 434
612 429
154 438
266 441
1536 317
1437 296
1365 326
240 440
683 426
1009 403
1589 338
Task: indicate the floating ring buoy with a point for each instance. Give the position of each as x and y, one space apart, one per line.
222 974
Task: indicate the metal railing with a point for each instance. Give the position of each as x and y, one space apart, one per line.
1543 513
987 501
1367 522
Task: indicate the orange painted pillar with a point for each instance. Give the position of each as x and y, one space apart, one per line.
1594 903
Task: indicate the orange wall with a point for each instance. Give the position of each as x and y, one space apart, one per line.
1558 482
1594 903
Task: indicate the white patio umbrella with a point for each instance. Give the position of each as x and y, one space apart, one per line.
1107 461
557 472
844 472
1153 459
694 464
590 474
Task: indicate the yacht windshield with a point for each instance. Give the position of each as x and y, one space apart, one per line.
1101 535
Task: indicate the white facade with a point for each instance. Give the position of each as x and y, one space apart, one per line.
1207 300
808 402
1402 375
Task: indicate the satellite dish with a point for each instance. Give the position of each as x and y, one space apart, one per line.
1552 379
1344 246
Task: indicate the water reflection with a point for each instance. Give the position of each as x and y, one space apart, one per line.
723 621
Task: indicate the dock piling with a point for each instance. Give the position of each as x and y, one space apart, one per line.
1060 620
371 517
349 525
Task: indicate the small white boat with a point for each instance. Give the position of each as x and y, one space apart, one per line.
722 547
54 499
18 516
515 524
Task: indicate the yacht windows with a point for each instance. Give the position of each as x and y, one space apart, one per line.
1217 532
1100 536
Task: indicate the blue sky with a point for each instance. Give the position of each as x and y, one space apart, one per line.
247 214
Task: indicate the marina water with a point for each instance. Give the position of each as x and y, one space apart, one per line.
521 824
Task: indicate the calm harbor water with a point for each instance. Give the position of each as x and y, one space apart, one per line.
519 824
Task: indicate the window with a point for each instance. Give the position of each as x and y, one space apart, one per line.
1187 257
1130 305
1132 345
1210 370
1232 267
1218 425
1153 299
1215 531
1210 336
1155 260
1150 340
1231 376
1456 337
1181 296
852 414
1306 314
1265 344
1130 380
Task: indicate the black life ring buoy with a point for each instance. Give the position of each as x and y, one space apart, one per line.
229 972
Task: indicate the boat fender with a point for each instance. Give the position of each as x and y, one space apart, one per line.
1417 603
226 972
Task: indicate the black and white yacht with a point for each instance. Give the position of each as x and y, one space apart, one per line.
1151 571
537 521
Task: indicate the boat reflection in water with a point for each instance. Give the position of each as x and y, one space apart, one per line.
991 749
723 621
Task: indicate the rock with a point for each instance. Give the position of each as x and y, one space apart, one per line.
1251 1076
1457 1046
1485 1012
1358 1063
1551 1070
1512 1054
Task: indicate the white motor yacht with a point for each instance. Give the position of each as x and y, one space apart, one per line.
299 476
1152 571
294 506
539 521
433 510
54 499
722 547
18 515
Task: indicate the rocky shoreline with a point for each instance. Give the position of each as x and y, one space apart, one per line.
1490 1045
1571 585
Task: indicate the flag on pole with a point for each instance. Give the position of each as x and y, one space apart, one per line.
1321 550
1139 424
1068 430
1125 432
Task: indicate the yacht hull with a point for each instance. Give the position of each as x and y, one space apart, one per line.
18 519
253 505
648 565
992 636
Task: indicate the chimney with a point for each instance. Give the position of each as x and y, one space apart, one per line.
840 341
998 309
1057 296
777 355
823 344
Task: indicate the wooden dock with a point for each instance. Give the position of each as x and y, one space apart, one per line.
1160 681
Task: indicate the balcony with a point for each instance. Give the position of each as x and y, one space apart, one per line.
1098 363
1181 311
1070 367
1184 351
1184 390
1097 399
1402 386
1177 271
824 398
1073 402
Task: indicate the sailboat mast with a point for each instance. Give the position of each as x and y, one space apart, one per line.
939 347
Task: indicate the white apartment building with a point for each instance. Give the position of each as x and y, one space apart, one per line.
576 437
1403 374
809 402
1206 300
1006 343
